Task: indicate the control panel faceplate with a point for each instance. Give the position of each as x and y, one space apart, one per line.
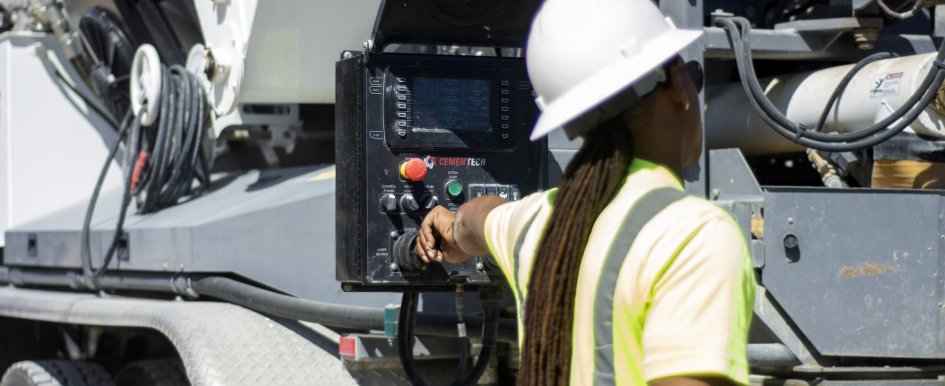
433 131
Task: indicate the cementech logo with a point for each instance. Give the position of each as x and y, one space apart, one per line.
430 161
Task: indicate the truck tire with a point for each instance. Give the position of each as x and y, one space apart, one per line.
152 372
55 372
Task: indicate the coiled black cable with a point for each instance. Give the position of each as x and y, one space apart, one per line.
832 142
169 156
161 161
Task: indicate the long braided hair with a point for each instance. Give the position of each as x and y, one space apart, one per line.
589 183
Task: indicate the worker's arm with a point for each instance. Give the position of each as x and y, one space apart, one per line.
693 381
455 237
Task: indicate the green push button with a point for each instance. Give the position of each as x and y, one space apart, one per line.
454 188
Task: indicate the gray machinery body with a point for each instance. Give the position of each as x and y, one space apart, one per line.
860 295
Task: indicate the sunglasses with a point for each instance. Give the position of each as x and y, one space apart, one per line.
695 72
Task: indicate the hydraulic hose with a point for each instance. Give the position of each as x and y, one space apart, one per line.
249 296
491 299
329 314
255 298
405 337
833 142
463 338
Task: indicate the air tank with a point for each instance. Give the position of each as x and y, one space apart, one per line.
875 92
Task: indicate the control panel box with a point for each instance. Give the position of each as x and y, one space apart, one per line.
417 131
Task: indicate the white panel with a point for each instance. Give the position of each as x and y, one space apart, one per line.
52 146
289 47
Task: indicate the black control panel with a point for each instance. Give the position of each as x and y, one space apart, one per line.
416 131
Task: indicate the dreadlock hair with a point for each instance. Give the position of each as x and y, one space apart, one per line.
589 183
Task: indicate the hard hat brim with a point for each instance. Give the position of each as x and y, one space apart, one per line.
611 80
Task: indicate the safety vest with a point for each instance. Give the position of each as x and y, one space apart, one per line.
665 286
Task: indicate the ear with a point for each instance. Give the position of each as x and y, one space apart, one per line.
677 89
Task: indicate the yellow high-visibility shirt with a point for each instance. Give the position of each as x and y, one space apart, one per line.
683 299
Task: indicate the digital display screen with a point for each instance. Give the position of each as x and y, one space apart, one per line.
458 105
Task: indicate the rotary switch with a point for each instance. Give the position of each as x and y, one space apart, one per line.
388 203
408 203
429 201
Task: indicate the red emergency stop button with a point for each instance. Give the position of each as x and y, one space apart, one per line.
413 170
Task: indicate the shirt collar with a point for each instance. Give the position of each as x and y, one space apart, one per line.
640 164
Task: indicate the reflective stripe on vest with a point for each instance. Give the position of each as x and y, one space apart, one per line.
643 210
518 252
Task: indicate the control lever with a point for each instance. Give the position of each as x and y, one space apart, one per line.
405 252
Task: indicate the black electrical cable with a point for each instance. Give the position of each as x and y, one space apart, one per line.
798 134
793 131
845 82
858 140
405 337
461 332
178 158
90 274
491 300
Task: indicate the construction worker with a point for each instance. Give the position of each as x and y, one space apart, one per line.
620 277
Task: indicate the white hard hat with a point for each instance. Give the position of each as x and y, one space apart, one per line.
583 53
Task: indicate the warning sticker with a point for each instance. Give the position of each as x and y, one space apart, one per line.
886 85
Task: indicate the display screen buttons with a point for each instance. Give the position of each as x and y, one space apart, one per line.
508 192
504 191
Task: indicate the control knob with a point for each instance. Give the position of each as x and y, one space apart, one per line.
429 201
408 203
388 203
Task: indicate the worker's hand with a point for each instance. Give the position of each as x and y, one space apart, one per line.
435 242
